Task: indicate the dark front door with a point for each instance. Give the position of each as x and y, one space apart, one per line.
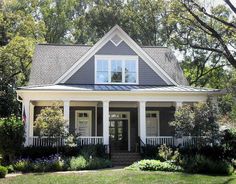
118 135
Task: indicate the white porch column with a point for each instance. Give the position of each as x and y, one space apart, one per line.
178 104
142 121
105 122
31 124
26 113
67 113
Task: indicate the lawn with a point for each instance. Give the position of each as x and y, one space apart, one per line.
118 176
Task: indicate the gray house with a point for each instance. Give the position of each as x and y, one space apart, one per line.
114 92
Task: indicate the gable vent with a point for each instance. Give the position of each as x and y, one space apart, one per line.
116 40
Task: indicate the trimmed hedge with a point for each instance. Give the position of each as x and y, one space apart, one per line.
3 172
33 152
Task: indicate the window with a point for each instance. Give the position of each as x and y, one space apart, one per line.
116 69
102 71
152 124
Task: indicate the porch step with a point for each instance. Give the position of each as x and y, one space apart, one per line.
124 158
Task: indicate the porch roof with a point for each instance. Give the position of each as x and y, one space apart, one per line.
133 88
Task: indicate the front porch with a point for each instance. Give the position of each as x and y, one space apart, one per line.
119 125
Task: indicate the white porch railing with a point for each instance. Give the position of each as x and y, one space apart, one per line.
46 141
172 141
159 140
190 140
90 140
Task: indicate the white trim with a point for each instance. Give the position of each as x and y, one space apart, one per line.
128 118
118 96
158 121
90 120
123 59
116 44
133 45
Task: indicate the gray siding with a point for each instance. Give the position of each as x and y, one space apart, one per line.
110 49
147 76
85 75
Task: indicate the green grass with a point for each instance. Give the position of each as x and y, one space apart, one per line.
119 177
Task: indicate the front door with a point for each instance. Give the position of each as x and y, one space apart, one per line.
118 131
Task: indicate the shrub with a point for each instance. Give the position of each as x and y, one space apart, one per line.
166 153
10 168
34 152
11 137
93 150
78 163
98 163
22 165
155 165
202 164
3 172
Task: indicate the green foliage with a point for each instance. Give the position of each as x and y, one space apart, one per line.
22 165
166 153
11 136
3 172
199 120
10 168
154 165
50 122
202 164
78 163
98 163
229 142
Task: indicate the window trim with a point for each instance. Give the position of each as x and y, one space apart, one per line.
116 57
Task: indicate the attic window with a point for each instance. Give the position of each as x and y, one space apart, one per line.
116 69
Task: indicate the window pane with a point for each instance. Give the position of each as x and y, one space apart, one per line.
130 77
116 76
102 76
102 65
130 66
116 66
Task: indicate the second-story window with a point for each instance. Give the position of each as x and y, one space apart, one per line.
116 69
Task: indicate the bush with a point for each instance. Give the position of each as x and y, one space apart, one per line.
154 165
166 153
97 150
22 165
202 164
78 163
98 163
3 172
11 137
10 168
34 152
52 163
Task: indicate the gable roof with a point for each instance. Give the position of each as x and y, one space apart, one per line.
51 61
114 32
53 64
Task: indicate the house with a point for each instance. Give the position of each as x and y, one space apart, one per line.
114 92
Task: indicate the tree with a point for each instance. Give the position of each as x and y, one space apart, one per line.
199 121
216 25
11 136
50 122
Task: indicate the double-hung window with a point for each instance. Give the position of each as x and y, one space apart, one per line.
116 69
